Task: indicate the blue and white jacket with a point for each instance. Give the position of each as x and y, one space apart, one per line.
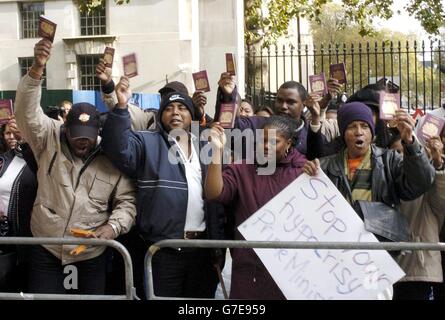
162 187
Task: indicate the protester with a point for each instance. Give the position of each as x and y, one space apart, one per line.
167 167
246 108
264 111
374 180
78 187
322 143
65 106
240 186
426 216
18 187
290 102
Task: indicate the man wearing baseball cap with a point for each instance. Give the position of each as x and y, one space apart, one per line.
82 128
170 203
78 188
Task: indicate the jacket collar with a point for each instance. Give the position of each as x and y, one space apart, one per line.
336 167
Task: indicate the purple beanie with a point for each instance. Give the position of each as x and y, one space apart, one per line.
354 111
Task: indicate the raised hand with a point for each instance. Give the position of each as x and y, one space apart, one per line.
227 83
405 125
123 92
435 147
312 103
42 53
199 99
102 72
334 88
217 136
12 124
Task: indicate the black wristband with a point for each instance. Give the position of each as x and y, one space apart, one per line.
108 87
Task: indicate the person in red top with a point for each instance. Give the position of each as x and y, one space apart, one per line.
241 186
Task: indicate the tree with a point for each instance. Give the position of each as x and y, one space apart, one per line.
384 53
89 5
268 20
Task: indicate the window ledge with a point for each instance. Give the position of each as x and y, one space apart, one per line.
106 38
85 45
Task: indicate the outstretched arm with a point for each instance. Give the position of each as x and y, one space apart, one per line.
123 147
35 126
214 182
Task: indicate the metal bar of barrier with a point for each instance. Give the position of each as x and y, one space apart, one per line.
176 243
43 296
130 292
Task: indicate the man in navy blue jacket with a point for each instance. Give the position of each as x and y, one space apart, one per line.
170 204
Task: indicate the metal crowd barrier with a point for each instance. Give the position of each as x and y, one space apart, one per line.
130 291
389 246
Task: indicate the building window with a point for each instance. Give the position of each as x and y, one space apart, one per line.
30 13
25 64
93 23
87 72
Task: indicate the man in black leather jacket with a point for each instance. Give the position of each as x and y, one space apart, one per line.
372 179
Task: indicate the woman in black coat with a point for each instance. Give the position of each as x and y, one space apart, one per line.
18 187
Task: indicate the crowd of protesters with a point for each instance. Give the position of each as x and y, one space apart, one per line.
138 177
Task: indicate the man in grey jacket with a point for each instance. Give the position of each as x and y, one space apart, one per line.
79 188
374 180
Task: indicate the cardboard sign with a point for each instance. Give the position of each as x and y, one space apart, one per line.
230 64
338 71
201 81
432 126
389 104
5 111
109 57
312 209
318 84
130 65
227 115
47 29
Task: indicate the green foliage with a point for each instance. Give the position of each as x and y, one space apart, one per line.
384 53
268 20
89 5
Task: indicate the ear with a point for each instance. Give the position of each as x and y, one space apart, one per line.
289 143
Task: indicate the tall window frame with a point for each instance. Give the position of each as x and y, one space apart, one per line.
87 72
30 13
25 63
94 23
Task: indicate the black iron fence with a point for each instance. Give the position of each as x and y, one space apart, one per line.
412 68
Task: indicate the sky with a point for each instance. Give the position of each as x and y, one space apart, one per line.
403 22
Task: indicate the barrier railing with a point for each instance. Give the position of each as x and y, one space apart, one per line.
130 292
389 246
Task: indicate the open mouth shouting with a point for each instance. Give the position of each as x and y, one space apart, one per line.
359 143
